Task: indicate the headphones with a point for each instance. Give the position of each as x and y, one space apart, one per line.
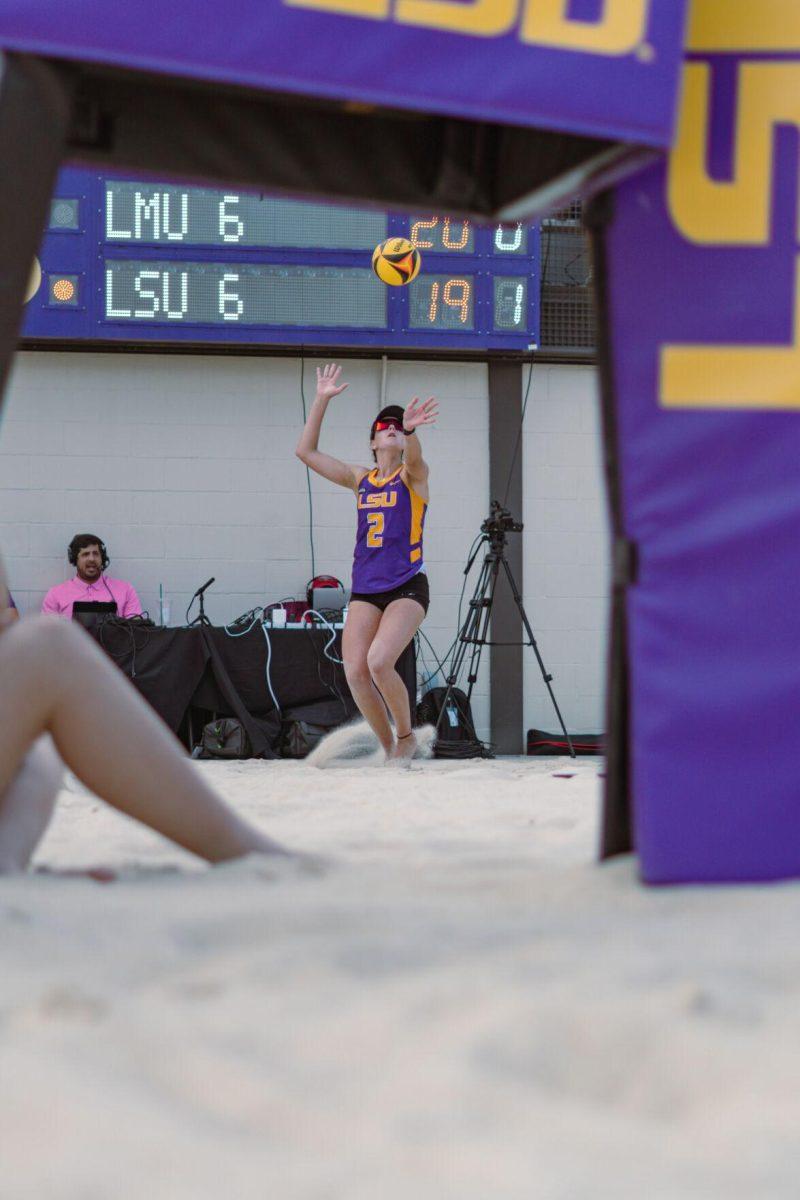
86 539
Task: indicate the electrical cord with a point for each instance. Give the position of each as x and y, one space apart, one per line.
257 616
308 471
268 608
129 626
254 616
315 613
108 589
332 686
519 433
265 631
427 673
441 662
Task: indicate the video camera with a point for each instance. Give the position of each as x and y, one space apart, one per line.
500 521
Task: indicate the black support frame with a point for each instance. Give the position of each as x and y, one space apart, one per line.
617 832
35 109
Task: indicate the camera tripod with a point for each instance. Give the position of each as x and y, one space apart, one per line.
494 530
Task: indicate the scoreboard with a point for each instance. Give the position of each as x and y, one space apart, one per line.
133 260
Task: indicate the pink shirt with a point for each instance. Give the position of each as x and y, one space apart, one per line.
60 599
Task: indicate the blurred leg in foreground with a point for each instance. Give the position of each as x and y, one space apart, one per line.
54 680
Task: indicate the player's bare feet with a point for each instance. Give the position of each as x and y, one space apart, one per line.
403 750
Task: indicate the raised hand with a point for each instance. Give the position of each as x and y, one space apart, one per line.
328 384
420 412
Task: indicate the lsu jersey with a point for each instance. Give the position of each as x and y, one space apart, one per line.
391 518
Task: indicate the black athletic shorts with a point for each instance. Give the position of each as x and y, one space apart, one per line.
415 588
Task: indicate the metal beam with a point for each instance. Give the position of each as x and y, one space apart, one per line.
505 485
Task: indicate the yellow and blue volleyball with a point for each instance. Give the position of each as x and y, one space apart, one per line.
396 261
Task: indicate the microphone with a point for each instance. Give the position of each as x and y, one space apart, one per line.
207 584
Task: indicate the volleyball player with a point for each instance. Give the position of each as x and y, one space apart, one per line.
390 594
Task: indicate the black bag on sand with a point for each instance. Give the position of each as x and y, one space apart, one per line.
299 738
227 738
455 729
541 743
305 725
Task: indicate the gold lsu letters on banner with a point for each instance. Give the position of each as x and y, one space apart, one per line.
735 213
620 31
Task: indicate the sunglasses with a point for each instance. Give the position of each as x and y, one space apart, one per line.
390 424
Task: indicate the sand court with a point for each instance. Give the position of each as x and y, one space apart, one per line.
458 1003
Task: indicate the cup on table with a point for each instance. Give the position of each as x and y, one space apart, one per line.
278 618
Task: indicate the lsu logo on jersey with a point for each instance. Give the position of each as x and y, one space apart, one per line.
387 499
619 31
736 211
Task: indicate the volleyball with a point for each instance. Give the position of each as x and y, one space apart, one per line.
396 261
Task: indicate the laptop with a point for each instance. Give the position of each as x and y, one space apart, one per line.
91 612
329 601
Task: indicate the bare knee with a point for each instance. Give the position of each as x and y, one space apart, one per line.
357 672
380 663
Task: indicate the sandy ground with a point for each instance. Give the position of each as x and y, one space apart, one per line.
461 1005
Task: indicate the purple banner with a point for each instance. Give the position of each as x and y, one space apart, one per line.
604 68
704 304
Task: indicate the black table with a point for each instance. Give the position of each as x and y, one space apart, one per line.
205 668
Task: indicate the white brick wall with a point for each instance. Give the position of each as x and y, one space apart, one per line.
566 548
185 465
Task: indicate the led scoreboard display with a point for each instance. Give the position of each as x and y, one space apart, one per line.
133 261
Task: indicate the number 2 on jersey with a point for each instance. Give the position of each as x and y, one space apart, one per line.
375 531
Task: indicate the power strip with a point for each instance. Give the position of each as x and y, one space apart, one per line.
305 625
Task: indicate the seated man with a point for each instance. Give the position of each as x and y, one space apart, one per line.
87 554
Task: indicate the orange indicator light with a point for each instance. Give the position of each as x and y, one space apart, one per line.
63 289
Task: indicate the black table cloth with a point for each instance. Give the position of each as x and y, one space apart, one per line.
178 669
